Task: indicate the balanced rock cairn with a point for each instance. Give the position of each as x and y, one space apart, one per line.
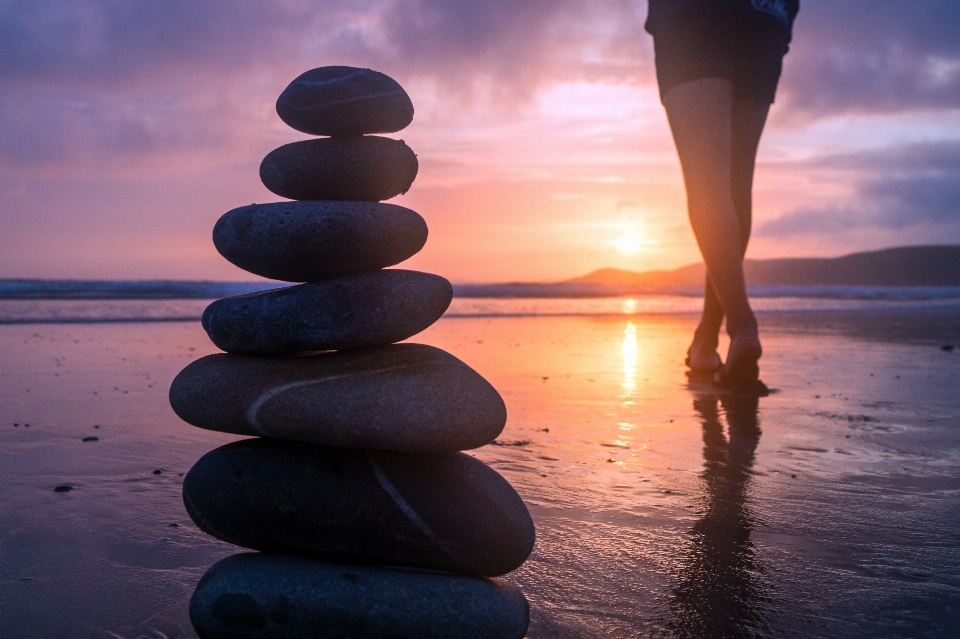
368 521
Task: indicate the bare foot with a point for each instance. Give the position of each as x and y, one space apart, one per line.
703 358
743 353
741 372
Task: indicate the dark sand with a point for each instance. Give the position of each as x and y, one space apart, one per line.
830 509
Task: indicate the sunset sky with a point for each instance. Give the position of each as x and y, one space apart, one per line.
127 127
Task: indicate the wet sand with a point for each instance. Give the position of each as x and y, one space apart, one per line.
829 509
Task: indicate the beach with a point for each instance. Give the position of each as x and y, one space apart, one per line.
828 509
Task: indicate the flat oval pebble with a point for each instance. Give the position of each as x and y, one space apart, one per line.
407 397
309 241
255 596
345 101
368 309
368 168
443 511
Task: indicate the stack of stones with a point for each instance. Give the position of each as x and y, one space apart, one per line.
368 520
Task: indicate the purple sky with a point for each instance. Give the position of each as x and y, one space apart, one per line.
127 127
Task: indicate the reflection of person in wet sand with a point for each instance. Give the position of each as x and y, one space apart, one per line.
718 64
720 594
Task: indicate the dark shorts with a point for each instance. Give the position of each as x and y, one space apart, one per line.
746 50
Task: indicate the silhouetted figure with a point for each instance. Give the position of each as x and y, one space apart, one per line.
718 64
719 594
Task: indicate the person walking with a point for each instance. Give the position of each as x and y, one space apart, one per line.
718 63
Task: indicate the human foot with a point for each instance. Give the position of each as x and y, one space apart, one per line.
741 373
703 359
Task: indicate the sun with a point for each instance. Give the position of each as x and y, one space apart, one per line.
629 244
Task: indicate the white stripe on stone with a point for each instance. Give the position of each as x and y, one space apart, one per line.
406 508
321 83
273 392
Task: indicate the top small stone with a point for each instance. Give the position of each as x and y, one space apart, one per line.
341 101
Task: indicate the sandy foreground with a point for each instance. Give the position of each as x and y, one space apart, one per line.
829 509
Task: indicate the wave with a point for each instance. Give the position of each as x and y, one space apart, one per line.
92 311
87 311
208 290
126 290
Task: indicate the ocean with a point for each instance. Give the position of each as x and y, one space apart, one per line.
46 301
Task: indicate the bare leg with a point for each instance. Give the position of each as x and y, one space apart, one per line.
701 114
748 119
702 354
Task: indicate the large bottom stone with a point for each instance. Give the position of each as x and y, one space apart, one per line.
354 311
403 397
443 511
253 596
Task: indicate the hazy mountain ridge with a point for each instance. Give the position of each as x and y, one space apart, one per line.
901 266
905 266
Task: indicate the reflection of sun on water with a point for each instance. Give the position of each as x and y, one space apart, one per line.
629 351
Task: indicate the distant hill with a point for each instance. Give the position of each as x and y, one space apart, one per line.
907 266
902 266
689 275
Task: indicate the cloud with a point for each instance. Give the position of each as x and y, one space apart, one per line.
95 131
873 56
117 80
111 41
895 189
106 42
94 84
124 81
530 41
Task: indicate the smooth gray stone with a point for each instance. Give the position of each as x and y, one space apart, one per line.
443 511
309 241
254 596
366 168
344 101
407 397
354 311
